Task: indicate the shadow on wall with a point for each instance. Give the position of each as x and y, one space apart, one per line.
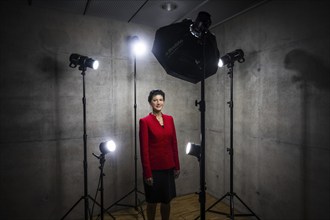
53 71
313 78
310 69
48 65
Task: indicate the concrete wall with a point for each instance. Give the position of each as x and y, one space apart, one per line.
281 111
41 148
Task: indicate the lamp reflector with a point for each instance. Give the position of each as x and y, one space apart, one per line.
193 150
230 58
138 46
220 64
83 62
107 146
182 54
96 65
188 147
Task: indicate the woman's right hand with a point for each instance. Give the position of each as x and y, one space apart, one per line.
149 181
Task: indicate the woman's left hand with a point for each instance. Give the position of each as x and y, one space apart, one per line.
176 174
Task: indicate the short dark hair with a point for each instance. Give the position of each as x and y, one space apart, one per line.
154 93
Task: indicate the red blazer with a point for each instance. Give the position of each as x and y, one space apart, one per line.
158 144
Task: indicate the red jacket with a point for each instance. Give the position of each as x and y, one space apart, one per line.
158 144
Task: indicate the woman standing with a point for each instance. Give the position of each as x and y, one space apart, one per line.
159 156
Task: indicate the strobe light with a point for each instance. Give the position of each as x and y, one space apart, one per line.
201 24
107 147
187 50
82 62
230 58
138 47
193 150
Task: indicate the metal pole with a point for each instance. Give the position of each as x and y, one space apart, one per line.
202 196
85 150
231 149
102 160
202 161
135 136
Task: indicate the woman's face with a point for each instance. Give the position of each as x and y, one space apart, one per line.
157 103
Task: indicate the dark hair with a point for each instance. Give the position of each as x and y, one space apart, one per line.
154 93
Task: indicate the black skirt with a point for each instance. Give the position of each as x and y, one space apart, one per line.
163 188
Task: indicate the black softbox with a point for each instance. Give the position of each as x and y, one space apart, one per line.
182 54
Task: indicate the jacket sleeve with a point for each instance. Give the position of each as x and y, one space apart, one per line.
175 147
144 149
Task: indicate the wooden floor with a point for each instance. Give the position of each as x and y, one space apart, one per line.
182 208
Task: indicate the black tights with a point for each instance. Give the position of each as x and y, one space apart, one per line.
165 209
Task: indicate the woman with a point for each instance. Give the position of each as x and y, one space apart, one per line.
159 156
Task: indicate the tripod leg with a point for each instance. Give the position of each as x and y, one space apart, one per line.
72 207
95 202
122 198
141 209
135 206
219 200
214 204
252 213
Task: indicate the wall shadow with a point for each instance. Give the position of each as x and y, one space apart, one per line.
312 77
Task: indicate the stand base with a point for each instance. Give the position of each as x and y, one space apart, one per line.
232 214
137 206
79 200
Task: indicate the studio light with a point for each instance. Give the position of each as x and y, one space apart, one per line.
230 58
138 46
187 50
82 62
193 150
107 146
201 24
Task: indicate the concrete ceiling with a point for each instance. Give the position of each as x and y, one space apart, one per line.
150 12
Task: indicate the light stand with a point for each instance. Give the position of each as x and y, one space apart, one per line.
102 160
202 197
202 183
137 203
178 49
86 196
101 186
230 150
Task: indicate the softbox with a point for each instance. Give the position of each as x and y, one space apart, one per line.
182 54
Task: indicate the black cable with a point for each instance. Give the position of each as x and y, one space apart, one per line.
137 11
86 6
